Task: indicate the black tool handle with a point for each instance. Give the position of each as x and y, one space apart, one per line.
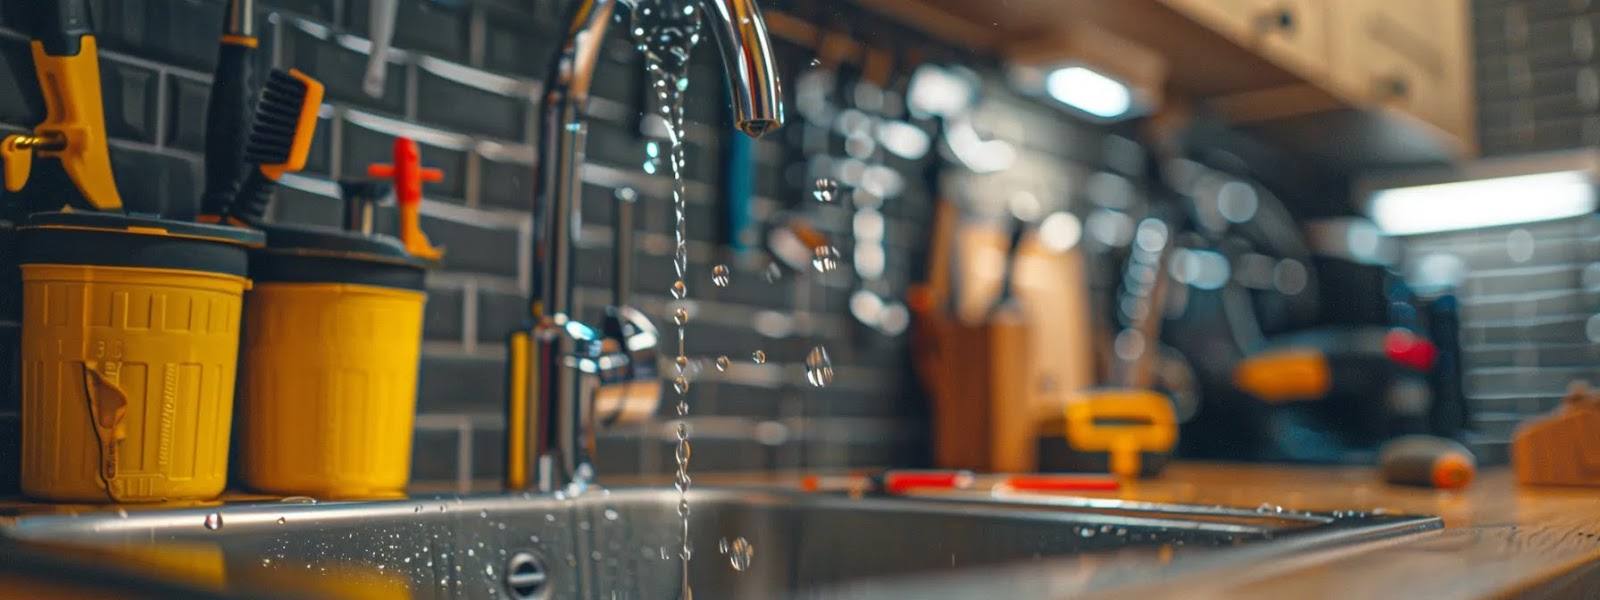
228 116
251 204
59 25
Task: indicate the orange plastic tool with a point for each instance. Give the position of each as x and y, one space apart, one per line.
408 175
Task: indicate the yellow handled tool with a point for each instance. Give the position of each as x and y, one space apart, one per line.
74 128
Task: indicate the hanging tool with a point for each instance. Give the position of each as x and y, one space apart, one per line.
408 175
73 132
1428 461
280 138
229 110
381 14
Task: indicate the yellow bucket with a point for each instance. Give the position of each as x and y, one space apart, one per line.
128 365
333 337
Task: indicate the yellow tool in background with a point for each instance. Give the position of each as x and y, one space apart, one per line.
74 130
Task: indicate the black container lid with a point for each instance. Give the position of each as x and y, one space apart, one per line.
117 240
310 254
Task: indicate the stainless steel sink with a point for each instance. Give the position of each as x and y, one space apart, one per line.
625 544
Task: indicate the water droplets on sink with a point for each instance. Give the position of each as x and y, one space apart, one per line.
611 514
213 521
720 276
739 552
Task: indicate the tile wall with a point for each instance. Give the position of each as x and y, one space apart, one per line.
464 82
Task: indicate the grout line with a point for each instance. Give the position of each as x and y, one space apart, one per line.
477 36
474 178
162 116
336 145
411 92
464 454
469 316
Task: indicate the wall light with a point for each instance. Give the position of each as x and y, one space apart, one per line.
1089 91
1482 202
1101 75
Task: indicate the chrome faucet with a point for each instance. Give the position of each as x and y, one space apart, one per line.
568 378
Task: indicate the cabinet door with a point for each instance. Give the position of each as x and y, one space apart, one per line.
1294 33
1236 19
1411 55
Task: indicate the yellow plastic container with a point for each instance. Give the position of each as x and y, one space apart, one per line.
128 366
333 337
330 389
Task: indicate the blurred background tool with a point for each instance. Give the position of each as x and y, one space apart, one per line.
229 110
1563 447
73 132
280 138
408 175
1427 460
381 15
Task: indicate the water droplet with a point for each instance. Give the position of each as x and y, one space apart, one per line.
816 61
723 363
611 514
825 189
550 518
722 545
501 526
299 500
1268 507
680 316
680 385
470 552
417 509
759 356
683 452
773 274
739 554
719 275
824 258
1087 532
488 570
679 290
682 362
819 369
214 521
122 513
281 520
483 513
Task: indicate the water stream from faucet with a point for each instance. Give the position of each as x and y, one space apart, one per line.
665 32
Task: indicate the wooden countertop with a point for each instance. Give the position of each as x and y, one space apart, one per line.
1499 540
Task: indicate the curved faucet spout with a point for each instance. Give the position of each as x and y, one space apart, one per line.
741 36
550 417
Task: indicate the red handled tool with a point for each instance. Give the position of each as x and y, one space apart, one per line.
408 175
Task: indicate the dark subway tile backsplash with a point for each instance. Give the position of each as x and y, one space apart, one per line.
156 183
505 184
518 45
294 205
434 28
461 385
499 314
25 108
130 100
179 32
434 454
451 103
186 102
444 316
474 248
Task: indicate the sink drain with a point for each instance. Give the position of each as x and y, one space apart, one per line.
526 578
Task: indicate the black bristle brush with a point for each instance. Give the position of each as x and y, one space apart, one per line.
280 139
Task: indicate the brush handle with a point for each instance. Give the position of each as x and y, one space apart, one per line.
251 204
228 124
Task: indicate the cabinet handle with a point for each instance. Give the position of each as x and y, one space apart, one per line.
1281 19
1393 87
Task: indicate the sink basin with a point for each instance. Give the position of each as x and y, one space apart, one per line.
625 544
